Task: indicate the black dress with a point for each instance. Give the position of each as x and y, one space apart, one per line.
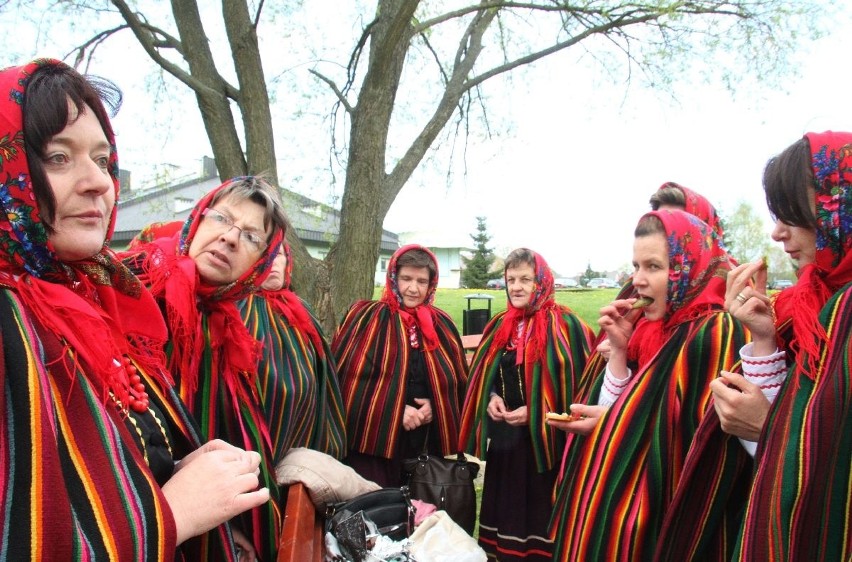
516 498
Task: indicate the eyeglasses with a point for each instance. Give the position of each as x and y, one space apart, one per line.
223 224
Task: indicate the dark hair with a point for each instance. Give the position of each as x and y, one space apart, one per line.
668 195
648 225
518 257
786 180
45 114
256 189
418 258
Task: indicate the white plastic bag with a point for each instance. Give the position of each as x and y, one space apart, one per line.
439 539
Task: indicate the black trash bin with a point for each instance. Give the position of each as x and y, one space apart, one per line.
475 319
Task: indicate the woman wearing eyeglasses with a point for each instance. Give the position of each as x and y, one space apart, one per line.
222 254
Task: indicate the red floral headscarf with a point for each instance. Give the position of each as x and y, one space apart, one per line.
422 316
172 276
831 165
697 268
288 304
81 301
698 205
541 300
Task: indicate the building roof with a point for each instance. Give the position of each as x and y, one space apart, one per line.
314 222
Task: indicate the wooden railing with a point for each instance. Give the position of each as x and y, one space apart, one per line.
302 531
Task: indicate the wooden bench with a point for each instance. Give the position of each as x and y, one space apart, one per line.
302 529
470 343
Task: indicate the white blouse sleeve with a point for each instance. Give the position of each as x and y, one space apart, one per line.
768 372
612 387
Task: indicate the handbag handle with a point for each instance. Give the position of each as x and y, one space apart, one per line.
424 455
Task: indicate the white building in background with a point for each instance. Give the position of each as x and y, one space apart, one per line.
447 248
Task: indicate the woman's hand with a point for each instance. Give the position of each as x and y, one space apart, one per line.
589 417
750 305
741 406
212 485
246 549
496 408
425 409
518 416
410 418
617 320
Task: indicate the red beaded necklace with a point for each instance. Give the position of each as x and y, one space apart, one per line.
136 394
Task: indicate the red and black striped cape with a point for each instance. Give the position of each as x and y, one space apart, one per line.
372 350
76 485
550 376
296 378
618 481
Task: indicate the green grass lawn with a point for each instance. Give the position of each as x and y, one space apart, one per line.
585 302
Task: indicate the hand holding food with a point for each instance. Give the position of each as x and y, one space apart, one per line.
565 417
581 419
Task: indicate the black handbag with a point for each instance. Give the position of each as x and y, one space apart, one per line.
445 483
389 508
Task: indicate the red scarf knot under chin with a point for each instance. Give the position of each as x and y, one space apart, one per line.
525 331
649 336
424 321
232 346
88 321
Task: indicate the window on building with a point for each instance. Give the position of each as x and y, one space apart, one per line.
181 204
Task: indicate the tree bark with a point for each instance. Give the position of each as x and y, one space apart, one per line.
367 195
213 99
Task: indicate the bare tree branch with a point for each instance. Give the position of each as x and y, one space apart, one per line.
87 49
256 19
493 5
341 97
470 46
146 35
438 62
532 57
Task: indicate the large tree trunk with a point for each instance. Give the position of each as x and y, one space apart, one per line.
367 195
212 95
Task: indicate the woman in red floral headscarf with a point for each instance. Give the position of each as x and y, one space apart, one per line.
297 377
90 428
221 255
617 481
402 371
527 364
800 497
670 195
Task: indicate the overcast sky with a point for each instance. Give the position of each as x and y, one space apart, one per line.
575 172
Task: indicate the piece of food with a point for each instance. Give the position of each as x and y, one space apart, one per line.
764 262
641 302
562 417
